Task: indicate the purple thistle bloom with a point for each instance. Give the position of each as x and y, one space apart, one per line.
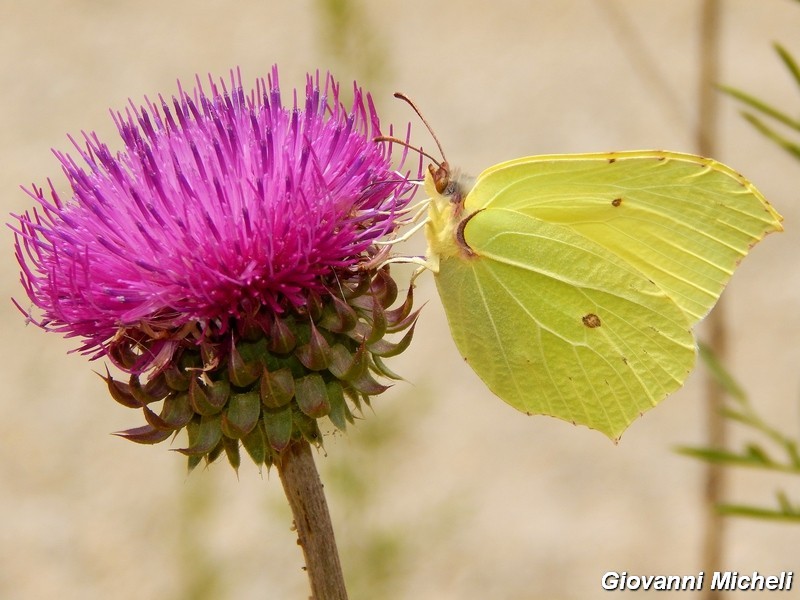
222 211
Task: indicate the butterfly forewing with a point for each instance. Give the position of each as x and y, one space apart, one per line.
682 220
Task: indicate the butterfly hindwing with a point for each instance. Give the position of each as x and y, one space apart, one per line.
557 325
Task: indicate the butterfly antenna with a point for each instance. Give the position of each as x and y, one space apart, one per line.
396 140
410 102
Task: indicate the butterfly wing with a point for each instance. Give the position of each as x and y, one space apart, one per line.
682 220
556 325
585 273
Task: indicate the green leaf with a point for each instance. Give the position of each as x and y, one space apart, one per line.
231 447
277 388
282 338
203 437
340 413
208 399
381 368
278 427
177 378
338 316
378 323
242 372
316 354
312 396
241 415
347 366
387 349
255 444
366 384
177 411
307 426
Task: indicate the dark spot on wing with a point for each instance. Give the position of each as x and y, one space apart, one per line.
616 202
591 320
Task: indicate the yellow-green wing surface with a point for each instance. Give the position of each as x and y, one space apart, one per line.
682 220
582 276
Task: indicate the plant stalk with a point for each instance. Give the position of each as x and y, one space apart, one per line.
303 489
717 328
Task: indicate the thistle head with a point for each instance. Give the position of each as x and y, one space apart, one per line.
225 259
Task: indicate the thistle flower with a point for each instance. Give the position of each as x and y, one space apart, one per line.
225 259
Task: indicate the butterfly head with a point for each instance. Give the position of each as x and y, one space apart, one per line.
447 191
448 183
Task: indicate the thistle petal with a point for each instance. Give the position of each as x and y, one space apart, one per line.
226 259
221 206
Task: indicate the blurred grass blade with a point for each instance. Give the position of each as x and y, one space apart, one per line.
721 457
789 62
753 457
790 147
761 106
723 378
792 515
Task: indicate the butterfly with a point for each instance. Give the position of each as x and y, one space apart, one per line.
572 282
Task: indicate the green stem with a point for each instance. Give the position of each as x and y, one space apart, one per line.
303 489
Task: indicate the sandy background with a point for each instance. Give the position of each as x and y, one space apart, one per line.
444 492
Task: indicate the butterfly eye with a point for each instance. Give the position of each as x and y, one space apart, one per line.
441 179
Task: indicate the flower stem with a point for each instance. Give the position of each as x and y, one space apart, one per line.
713 541
303 489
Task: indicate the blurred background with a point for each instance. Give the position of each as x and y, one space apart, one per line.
444 491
